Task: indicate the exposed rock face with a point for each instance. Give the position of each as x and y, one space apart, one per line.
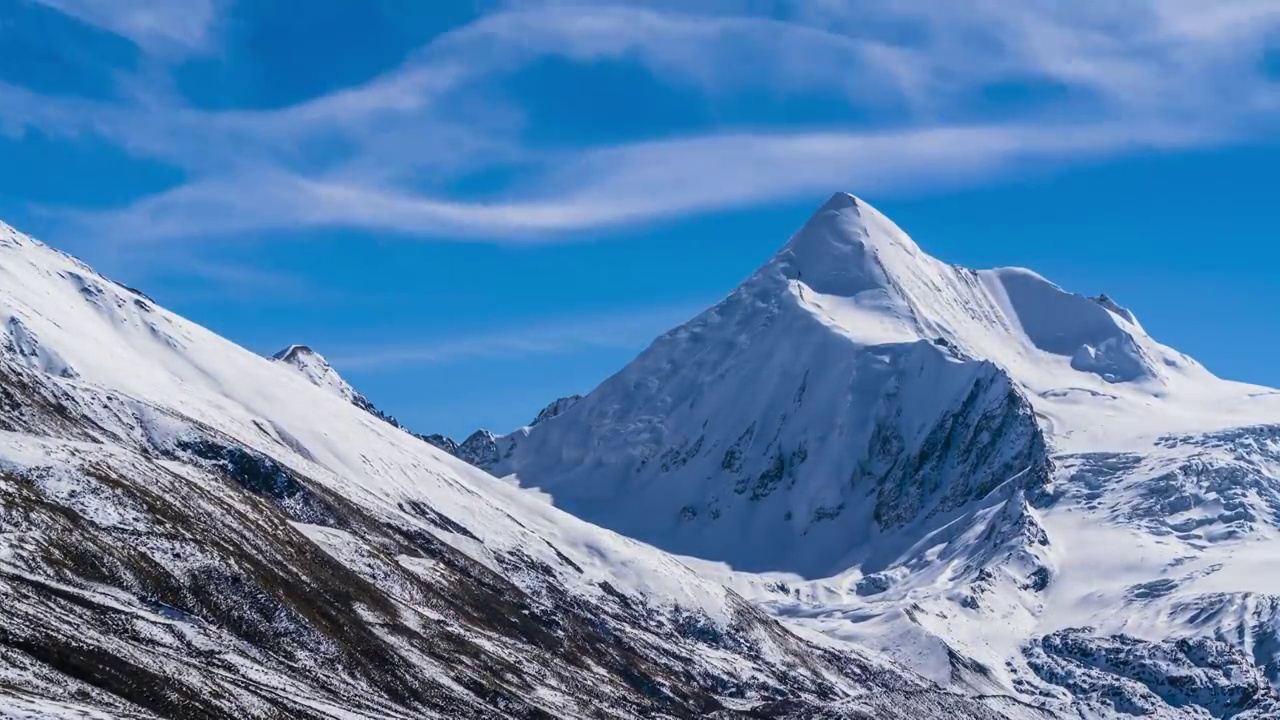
480 450
485 450
446 444
1125 676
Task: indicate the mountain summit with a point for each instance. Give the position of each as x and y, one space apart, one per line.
851 385
846 250
788 427
313 366
987 477
852 266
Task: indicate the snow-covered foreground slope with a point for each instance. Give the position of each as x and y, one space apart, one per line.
963 469
190 531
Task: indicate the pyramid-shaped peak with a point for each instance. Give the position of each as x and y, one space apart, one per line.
847 247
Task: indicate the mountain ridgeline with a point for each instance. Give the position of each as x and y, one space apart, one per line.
866 484
188 530
946 465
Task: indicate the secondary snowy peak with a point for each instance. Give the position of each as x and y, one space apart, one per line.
556 408
316 369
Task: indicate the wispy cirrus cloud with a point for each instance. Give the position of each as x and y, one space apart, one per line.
168 27
919 77
624 329
637 182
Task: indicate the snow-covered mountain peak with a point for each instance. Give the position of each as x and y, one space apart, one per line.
847 249
9 237
858 274
295 351
316 369
1105 301
836 396
313 367
955 466
845 396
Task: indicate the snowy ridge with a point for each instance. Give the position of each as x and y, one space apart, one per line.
187 529
317 370
480 448
935 462
557 407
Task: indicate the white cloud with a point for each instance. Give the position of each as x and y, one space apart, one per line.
1135 75
163 27
639 182
624 329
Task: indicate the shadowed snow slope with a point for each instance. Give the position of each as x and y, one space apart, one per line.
925 458
188 530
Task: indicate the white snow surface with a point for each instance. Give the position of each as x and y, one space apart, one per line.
1087 365
316 369
937 463
123 383
956 469
116 338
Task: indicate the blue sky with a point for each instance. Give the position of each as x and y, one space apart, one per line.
474 206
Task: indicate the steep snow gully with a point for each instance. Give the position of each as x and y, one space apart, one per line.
867 484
